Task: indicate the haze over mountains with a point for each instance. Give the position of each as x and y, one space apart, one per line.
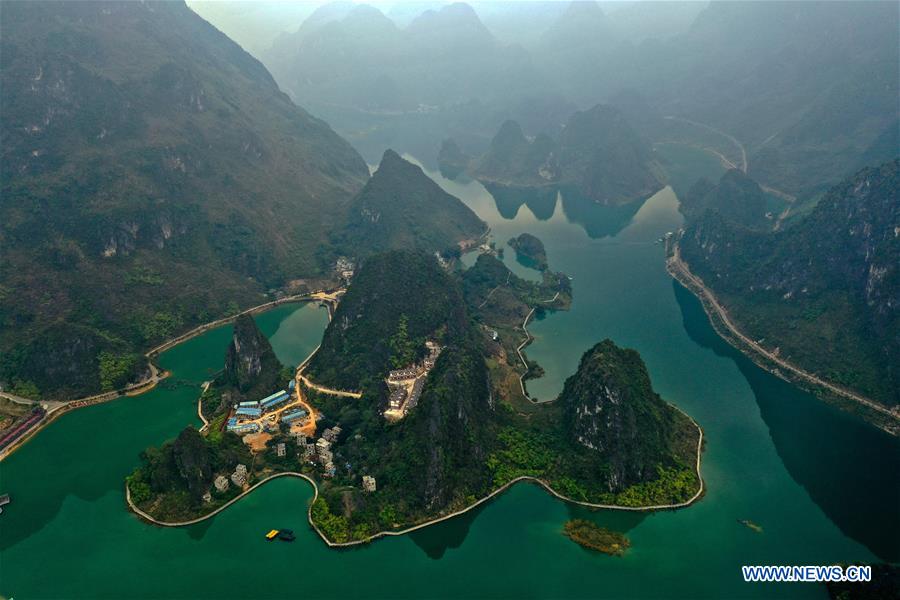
807 87
154 175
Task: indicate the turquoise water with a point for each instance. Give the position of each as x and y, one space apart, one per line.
821 484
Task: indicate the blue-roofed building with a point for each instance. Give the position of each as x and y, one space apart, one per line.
291 385
270 402
244 428
249 412
293 415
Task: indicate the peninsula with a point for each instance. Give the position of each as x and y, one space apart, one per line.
408 418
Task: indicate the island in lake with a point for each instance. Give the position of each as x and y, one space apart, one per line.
590 535
414 409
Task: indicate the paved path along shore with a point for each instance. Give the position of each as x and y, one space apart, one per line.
440 519
56 408
679 269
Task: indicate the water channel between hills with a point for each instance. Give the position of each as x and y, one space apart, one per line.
821 484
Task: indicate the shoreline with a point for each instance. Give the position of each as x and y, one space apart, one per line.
439 519
528 339
60 407
719 319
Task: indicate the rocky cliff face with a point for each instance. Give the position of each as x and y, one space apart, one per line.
451 427
251 366
825 291
612 413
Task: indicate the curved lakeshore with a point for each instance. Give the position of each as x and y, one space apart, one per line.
725 327
528 339
57 408
525 478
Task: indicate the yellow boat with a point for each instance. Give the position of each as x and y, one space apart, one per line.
271 535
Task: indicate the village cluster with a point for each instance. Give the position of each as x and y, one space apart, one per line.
264 415
406 384
286 407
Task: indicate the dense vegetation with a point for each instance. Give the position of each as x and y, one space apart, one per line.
402 208
823 291
153 177
465 437
736 197
610 408
172 479
392 289
530 251
590 535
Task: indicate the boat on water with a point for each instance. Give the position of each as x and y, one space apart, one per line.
285 535
4 500
750 525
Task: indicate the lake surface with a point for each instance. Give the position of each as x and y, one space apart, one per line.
821 484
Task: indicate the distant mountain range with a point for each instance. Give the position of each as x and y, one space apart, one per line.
808 88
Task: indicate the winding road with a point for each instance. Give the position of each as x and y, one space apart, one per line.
680 270
744 163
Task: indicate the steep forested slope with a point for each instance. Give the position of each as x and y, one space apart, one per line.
825 291
153 175
402 208
464 438
736 197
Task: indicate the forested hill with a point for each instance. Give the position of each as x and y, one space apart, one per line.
825 291
465 435
153 176
612 412
736 197
598 156
362 341
402 208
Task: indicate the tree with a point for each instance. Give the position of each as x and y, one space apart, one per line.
192 457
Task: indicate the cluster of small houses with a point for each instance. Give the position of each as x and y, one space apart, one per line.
317 452
320 450
246 413
402 400
238 478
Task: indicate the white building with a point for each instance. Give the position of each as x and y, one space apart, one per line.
239 477
221 484
368 483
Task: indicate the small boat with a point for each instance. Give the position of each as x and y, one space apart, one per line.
272 534
286 535
4 500
750 525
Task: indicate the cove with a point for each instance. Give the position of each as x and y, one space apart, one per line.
817 481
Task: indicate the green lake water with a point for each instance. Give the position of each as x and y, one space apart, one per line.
821 484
